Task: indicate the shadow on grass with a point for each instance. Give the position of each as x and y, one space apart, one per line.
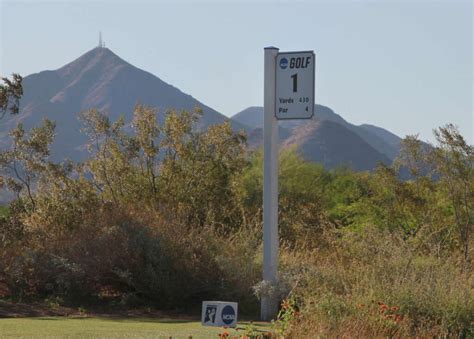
169 321
121 319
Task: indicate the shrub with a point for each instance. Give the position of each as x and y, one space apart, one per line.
343 288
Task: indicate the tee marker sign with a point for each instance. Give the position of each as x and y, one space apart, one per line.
295 85
288 93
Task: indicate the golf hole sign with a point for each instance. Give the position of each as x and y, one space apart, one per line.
219 313
295 85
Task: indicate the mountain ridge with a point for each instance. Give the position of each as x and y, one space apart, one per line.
97 79
102 80
380 139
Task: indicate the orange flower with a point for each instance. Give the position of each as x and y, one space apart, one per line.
395 308
223 335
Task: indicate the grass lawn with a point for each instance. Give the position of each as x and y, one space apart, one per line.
111 327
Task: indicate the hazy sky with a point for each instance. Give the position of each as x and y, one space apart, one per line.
405 66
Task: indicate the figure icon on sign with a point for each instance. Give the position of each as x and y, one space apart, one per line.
210 316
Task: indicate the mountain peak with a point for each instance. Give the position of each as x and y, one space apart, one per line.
97 58
97 79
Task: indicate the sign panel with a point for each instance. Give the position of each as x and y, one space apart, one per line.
295 85
219 313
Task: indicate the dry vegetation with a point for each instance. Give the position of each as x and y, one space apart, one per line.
167 216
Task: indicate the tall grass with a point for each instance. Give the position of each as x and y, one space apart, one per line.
373 284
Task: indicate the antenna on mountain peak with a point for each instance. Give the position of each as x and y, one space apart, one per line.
101 42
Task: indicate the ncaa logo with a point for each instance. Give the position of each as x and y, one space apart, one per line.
283 63
228 315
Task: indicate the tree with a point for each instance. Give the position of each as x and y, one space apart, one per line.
200 170
453 160
10 94
27 158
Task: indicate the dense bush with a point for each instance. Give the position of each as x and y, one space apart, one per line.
169 215
372 283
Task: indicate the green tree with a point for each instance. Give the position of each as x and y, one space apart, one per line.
27 158
453 160
200 170
10 94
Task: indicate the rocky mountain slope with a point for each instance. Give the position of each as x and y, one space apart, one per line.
98 79
328 138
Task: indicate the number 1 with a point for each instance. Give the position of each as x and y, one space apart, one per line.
295 82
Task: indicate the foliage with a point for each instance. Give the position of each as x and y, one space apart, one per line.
371 284
453 160
287 316
27 159
168 215
10 94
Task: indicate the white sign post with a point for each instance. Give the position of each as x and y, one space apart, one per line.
269 306
288 94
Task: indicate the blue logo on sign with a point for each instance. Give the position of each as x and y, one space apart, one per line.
228 315
283 63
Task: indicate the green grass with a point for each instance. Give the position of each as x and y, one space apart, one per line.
64 327
4 211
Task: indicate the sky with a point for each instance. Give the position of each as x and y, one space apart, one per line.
402 65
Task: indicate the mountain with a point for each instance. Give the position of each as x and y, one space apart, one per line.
387 136
326 142
101 79
97 79
333 145
253 117
377 138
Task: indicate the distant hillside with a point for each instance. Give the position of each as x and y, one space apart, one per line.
387 136
253 117
333 145
328 143
98 79
378 138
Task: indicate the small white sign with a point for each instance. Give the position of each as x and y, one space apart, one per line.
219 313
295 85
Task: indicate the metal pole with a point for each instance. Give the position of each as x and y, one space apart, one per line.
269 306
